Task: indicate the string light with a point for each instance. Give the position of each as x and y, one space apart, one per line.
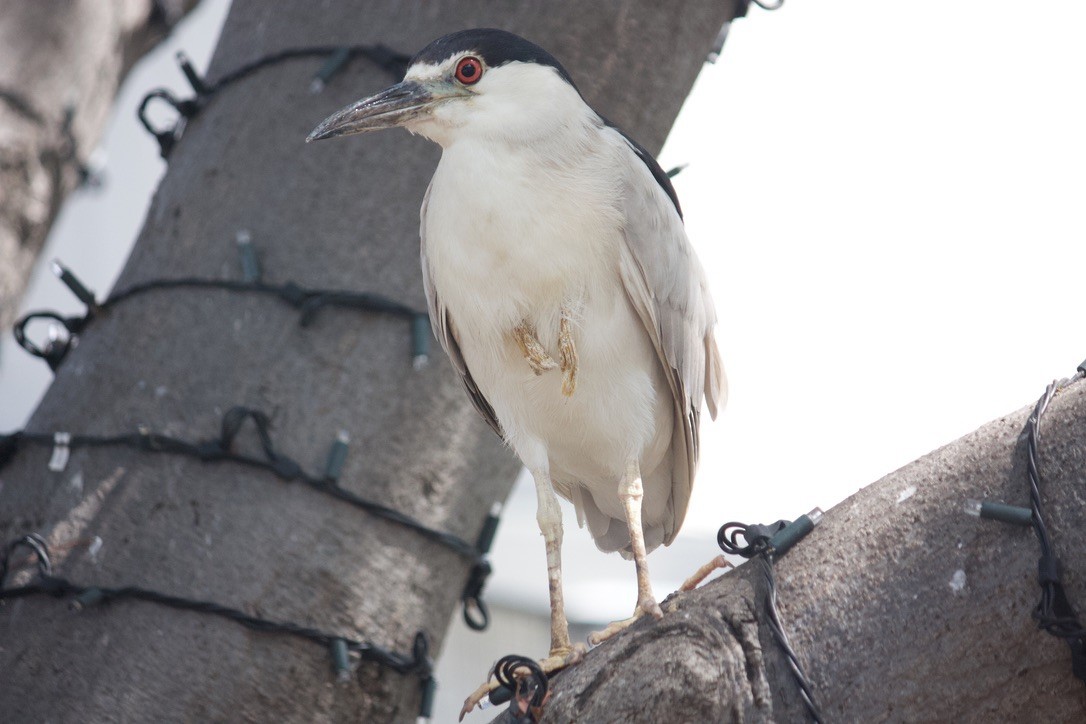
221 449
521 679
83 597
765 544
308 301
1054 612
336 57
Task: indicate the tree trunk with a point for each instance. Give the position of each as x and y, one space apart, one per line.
59 57
332 216
900 606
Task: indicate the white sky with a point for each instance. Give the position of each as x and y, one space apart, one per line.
888 198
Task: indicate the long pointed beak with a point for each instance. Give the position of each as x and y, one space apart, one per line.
392 107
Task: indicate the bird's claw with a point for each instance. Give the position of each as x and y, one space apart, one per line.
540 361
651 608
476 696
537 357
644 607
557 660
670 603
567 354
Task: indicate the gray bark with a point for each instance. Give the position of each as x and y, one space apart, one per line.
334 215
868 604
55 54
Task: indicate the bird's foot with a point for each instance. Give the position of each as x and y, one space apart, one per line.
557 660
645 606
567 354
537 357
702 573
719 562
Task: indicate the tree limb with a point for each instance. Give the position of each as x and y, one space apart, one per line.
869 605
59 58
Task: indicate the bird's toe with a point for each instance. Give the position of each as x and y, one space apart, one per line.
476 696
650 607
561 658
558 659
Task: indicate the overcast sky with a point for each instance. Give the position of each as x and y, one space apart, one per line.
888 199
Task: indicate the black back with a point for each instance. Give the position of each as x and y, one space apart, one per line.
498 47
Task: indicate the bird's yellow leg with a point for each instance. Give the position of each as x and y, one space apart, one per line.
538 359
670 603
631 491
702 573
563 653
549 517
567 352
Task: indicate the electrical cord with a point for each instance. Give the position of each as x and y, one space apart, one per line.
764 544
221 449
82 597
336 56
1054 613
308 301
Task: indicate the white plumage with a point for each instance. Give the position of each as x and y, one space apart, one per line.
544 223
536 203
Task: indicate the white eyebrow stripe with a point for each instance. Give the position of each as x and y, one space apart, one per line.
425 71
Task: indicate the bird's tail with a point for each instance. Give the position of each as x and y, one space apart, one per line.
611 534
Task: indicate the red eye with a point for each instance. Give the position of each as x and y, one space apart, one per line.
469 70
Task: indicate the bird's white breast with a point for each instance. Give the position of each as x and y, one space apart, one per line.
512 234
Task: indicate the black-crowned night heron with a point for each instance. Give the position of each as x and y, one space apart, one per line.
563 288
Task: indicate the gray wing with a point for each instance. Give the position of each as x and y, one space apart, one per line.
445 331
666 285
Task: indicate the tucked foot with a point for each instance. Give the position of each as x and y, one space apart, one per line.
567 354
702 573
646 606
695 580
557 660
537 357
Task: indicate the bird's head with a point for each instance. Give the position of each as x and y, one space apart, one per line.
483 83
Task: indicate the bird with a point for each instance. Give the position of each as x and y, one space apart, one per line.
561 284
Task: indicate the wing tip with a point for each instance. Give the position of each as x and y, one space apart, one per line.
716 380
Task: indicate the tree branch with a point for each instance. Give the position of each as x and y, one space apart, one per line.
875 604
59 59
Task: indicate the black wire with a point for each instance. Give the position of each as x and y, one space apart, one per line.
60 587
755 545
741 9
393 63
806 689
37 545
527 693
755 537
220 449
1054 612
308 301
390 61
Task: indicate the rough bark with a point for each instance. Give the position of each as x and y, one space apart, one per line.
336 215
868 604
57 55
